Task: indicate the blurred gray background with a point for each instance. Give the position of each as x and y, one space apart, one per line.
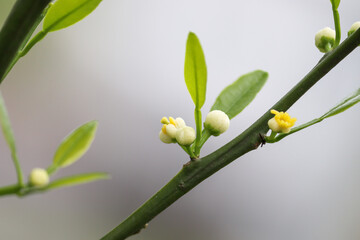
123 65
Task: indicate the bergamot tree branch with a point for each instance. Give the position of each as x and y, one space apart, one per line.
194 172
19 25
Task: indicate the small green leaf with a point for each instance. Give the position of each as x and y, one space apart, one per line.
75 145
235 97
67 12
335 3
76 179
195 70
343 105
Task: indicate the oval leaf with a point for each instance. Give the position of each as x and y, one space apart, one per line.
195 70
67 12
344 105
76 179
75 145
235 97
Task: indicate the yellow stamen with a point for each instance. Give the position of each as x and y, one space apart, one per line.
283 119
274 111
172 121
163 129
164 120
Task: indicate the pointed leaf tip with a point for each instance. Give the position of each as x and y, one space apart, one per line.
195 71
64 13
235 97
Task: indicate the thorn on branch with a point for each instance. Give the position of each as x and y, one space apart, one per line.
263 140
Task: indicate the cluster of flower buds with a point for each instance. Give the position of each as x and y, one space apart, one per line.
39 177
175 130
325 39
217 122
281 122
353 28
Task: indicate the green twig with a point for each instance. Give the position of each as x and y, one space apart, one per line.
204 137
294 130
10 139
195 172
9 190
191 153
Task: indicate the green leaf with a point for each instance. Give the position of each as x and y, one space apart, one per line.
76 179
235 97
67 12
343 105
195 70
75 145
6 126
335 3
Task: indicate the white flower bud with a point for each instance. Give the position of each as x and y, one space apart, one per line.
39 177
185 136
171 131
353 28
180 122
217 122
165 138
325 39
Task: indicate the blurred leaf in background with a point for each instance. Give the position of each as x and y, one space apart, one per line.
5 7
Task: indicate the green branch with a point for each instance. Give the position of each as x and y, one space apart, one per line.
196 171
16 30
9 190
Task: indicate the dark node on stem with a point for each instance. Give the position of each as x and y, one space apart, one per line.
138 231
187 164
194 158
181 186
263 140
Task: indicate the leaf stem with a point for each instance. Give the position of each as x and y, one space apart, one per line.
195 172
337 26
198 122
204 137
10 139
52 169
37 38
192 156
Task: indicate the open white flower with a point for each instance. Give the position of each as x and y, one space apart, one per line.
281 122
169 129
